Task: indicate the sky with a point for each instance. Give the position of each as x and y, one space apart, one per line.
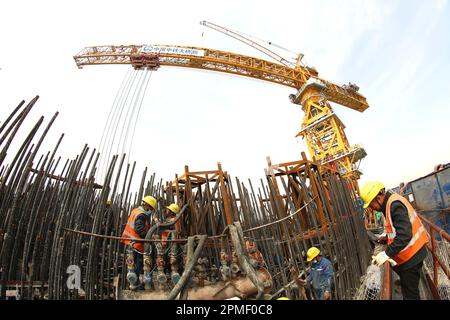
397 52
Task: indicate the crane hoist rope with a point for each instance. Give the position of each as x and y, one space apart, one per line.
246 39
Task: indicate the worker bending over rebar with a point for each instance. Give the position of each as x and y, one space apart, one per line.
137 227
320 274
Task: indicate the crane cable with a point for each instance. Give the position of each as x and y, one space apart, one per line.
270 43
123 105
139 111
120 128
127 118
106 127
290 60
112 125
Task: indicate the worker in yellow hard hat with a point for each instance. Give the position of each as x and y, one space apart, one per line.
283 298
172 231
171 213
169 232
320 274
136 228
406 236
173 208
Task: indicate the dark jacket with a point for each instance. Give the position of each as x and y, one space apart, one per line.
403 233
321 275
139 225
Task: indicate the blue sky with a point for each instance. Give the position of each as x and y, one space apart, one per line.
396 51
403 66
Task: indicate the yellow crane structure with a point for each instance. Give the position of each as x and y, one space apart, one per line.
321 128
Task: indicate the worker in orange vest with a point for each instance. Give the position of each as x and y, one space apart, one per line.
136 228
171 212
406 236
170 233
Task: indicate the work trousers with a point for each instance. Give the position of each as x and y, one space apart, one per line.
409 281
138 263
319 293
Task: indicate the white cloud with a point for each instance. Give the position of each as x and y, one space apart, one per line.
440 4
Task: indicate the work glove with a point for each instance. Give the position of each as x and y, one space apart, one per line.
381 258
382 237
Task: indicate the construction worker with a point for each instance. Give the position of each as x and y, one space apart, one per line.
168 233
137 226
171 212
320 275
406 236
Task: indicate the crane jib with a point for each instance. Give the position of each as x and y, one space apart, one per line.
173 50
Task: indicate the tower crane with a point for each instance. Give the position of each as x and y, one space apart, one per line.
326 142
321 128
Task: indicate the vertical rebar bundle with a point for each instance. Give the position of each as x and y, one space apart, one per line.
55 219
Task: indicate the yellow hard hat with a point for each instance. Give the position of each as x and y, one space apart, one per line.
283 298
312 253
370 190
174 208
109 202
150 200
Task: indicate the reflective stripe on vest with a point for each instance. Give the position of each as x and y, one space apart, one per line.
419 236
130 232
128 235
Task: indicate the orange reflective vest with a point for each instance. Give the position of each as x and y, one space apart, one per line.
130 233
419 235
167 233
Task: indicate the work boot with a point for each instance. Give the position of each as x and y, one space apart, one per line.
139 287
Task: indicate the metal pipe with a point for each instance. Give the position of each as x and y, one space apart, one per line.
147 247
188 269
433 226
386 290
243 262
241 287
